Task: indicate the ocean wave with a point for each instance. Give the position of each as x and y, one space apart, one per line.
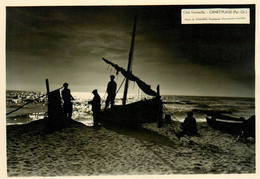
177 105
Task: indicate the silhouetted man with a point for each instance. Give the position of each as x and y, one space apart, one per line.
96 107
111 91
189 126
67 104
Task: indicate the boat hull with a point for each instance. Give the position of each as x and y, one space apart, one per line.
133 114
229 126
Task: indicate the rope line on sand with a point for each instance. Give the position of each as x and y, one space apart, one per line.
190 140
204 147
162 159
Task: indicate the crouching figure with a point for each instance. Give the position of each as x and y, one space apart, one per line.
189 126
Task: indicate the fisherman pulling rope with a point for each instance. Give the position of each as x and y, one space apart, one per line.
210 147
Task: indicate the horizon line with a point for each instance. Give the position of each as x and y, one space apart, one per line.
195 95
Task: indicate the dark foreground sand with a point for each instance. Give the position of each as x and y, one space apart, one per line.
78 150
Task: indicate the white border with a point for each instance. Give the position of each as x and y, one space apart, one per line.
5 3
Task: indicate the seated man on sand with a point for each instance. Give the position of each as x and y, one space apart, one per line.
189 126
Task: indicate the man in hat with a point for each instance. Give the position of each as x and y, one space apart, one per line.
111 91
96 107
67 104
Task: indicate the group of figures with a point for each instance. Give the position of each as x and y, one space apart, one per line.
189 126
95 102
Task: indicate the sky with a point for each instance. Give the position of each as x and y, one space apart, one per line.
67 44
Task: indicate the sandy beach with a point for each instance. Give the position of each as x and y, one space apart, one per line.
79 150
69 67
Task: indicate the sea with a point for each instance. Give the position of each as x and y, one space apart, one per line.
35 106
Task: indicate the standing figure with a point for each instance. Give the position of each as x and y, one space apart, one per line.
96 107
111 91
67 104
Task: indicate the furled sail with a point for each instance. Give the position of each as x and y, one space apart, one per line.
142 85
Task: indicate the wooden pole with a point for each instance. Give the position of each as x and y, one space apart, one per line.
160 112
48 92
158 90
47 86
130 59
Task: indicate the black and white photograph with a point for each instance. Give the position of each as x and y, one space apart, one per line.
110 90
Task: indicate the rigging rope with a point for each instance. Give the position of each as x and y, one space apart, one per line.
29 103
169 112
138 93
25 104
120 85
111 70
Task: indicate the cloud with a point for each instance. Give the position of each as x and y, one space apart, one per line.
70 42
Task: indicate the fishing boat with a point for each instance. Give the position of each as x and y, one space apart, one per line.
133 114
227 125
126 115
218 120
237 126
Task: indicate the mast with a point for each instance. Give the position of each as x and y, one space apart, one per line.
130 59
